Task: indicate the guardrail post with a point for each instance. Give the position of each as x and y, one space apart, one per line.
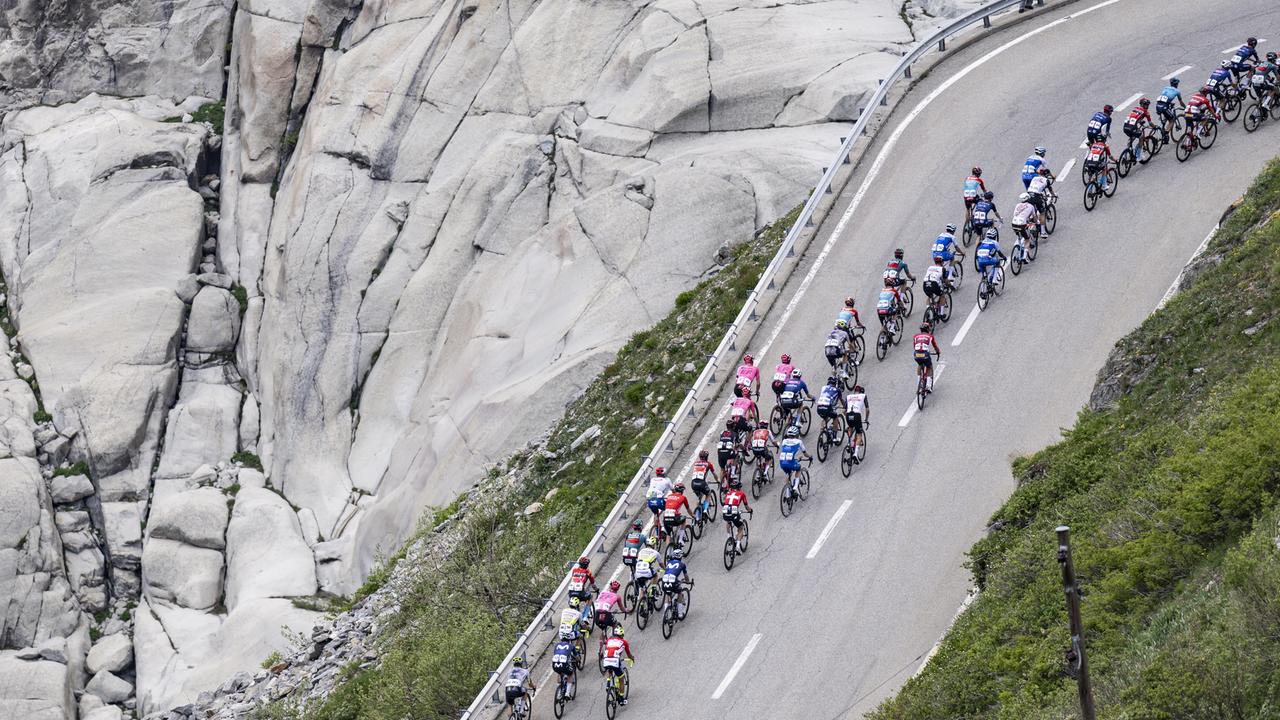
942 45
828 190
906 73
986 21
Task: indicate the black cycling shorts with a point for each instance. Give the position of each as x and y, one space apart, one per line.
925 359
854 420
826 412
932 288
1037 201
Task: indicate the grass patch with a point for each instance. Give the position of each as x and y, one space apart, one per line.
272 660
1171 489
41 416
242 298
459 614
80 468
247 459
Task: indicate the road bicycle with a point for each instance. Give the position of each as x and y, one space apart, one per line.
939 308
854 451
856 348
992 284
520 708
1102 182
648 603
788 498
672 614
1150 144
1025 250
781 417
890 333
615 688
830 435
732 547
1258 111
845 369
992 226
761 476
922 384
1050 211
1232 102
707 509
682 538
567 684
1200 134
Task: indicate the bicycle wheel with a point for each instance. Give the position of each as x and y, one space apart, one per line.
1179 125
846 461
1231 109
610 700
714 499
629 597
984 293
668 620
882 345
1085 175
998 284
775 419
558 707
785 500
849 373
802 485
1015 259
859 351
860 450
643 610
699 520
921 392
730 552
1125 163
757 484
1210 135
967 237
1050 219
908 300
1033 246
1187 143
824 445
957 276
1252 117
944 309
929 315
1091 195
804 421
1113 182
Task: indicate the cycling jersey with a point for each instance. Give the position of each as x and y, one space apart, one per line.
1038 185
782 372
887 302
607 601
615 649
855 403
836 339
700 470
922 344
1023 212
747 374
743 407
895 269
1137 118
934 274
850 316
1031 167
674 503
673 570
1099 153
733 500
517 677
1099 126
580 580
728 442
761 438
988 253
796 387
982 213
1198 104
828 396
973 187
569 619
1220 76
646 561
1244 55
658 487
789 454
945 246
562 657
1168 95
631 547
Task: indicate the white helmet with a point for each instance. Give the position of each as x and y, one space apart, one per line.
1226 63
1024 197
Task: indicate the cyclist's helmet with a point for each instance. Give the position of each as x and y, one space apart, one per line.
832 380
1205 90
1174 82
897 254
618 631
748 359
660 472
988 195
951 227
977 171
728 424
702 454
575 602
651 541
793 431
937 260
1271 57
925 327
1107 109
848 302
636 525
1145 102
614 585
735 483
762 424
795 374
1226 63
518 662
583 562
786 359
1040 151
1252 42
841 324
678 487
992 234
1024 197
858 388
677 553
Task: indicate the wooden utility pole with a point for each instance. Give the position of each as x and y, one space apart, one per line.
1077 660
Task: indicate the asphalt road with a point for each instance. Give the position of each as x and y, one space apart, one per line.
837 627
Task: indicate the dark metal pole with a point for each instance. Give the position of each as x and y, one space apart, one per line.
1077 660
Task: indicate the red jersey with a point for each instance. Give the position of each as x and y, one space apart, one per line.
616 647
760 437
677 500
701 468
1098 152
733 499
923 343
1138 115
581 578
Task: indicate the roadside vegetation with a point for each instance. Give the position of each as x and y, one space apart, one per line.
460 615
1171 492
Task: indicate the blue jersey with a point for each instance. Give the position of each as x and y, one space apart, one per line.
789 453
1099 124
674 567
1032 166
972 187
1219 77
795 387
562 656
982 213
945 246
988 252
1244 55
1169 94
828 395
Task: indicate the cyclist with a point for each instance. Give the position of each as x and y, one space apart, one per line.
1167 105
790 453
1023 215
646 563
727 445
659 486
698 475
582 583
571 620
747 378
761 439
1200 107
834 347
672 519
1039 190
734 501
945 247
849 314
1134 125
921 343
895 269
1031 168
632 544
616 649
935 277
983 211
1100 124
672 574
888 306
1264 82
794 392
743 414
973 189
562 663
857 412
989 256
1247 52
1097 159
608 602
518 684
828 402
1220 80
781 374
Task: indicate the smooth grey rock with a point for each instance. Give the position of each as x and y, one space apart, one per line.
203 429
215 279
106 712
34 690
113 653
214 323
187 287
182 574
54 649
196 517
251 478
122 530
71 520
109 687
70 488
266 553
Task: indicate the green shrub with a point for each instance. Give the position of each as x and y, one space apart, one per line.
247 459
80 468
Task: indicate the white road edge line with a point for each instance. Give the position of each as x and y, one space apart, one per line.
737 665
826 531
911 411
1173 286
1128 102
874 172
968 323
1178 72
968 600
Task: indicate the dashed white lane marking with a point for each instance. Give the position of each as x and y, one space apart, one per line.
1066 169
968 323
1128 102
826 531
911 411
1178 72
1173 286
1234 48
737 665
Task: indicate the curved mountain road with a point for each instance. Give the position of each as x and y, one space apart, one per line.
802 628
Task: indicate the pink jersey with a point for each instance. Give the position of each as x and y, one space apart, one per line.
783 372
748 374
607 600
743 407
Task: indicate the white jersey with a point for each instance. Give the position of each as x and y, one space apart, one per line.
517 677
645 562
1038 185
1023 213
855 403
659 486
934 273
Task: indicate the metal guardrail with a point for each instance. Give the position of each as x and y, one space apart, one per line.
727 349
